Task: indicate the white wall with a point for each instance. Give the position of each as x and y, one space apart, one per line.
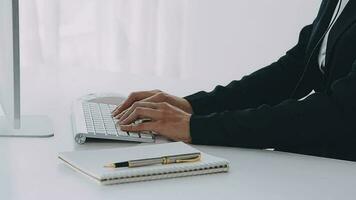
230 38
211 40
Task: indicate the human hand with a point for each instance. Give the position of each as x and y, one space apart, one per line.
154 96
165 119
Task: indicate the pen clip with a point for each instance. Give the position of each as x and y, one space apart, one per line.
189 160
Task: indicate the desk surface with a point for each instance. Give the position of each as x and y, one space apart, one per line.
30 169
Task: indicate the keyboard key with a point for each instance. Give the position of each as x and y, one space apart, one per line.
132 134
90 129
98 132
110 125
122 133
112 132
146 136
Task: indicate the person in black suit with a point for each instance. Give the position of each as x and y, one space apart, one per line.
265 109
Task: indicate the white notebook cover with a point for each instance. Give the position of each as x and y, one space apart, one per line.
91 163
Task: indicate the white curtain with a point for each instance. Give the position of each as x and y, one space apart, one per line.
136 36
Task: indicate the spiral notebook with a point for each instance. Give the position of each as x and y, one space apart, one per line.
91 163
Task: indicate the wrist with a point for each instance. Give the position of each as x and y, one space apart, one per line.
188 138
187 107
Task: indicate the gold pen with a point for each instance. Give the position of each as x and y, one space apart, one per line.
183 158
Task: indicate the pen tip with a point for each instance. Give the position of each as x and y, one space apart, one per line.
111 165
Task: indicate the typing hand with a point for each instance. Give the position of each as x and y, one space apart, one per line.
154 96
166 120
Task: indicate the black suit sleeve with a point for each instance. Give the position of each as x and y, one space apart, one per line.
269 85
319 119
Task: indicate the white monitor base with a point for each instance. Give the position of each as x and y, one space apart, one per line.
31 126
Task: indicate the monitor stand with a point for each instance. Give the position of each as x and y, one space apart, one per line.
31 126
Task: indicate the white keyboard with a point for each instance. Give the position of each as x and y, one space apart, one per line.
93 120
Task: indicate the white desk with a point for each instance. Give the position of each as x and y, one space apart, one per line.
30 169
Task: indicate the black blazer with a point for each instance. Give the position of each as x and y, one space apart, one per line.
262 110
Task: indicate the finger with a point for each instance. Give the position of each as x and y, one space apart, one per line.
133 97
134 106
140 113
121 114
157 98
126 104
147 126
116 108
